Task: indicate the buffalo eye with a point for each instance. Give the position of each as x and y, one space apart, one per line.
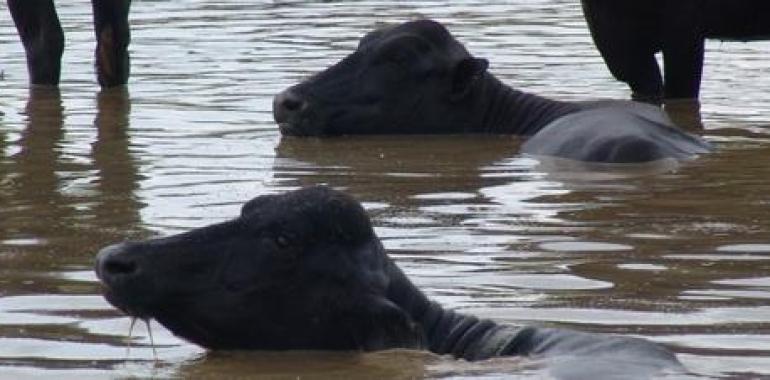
401 57
282 241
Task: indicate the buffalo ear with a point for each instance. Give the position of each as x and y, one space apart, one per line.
382 325
465 74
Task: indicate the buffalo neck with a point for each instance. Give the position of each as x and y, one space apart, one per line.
445 331
510 111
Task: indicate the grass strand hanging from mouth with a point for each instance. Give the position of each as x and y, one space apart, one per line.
152 341
128 338
149 334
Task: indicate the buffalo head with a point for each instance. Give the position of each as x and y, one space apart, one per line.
409 78
301 270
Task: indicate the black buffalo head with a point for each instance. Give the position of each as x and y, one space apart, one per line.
409 78
301 270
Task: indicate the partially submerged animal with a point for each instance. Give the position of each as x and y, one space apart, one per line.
304 270
416 78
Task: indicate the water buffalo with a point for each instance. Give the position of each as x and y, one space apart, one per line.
43 39
304 270
415 78
628 33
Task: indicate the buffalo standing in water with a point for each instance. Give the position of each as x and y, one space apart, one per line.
415 78
305 271
628 33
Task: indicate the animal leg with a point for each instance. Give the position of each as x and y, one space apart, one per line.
683 65
112 39
683 44
42 36
643 77
625 34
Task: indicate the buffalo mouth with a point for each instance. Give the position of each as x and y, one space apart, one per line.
291 129
302 130
123 302
120 303
175 321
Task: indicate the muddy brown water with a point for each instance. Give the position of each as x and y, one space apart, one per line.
679 254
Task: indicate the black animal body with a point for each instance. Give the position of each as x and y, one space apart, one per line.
304 270
415 78
628 33
43 39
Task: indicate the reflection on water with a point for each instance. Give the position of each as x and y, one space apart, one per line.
678 253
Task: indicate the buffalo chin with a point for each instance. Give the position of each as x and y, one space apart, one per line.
289 129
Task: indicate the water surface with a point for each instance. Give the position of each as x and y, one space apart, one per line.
677 254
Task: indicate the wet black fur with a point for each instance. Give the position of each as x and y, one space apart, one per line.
305 270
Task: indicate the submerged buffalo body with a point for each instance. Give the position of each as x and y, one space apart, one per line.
628 33
415 78
305 270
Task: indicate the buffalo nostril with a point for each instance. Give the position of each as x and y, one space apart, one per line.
114 261
292 104
120 267
287 105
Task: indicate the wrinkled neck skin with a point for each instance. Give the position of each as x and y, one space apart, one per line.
447 332
510 111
